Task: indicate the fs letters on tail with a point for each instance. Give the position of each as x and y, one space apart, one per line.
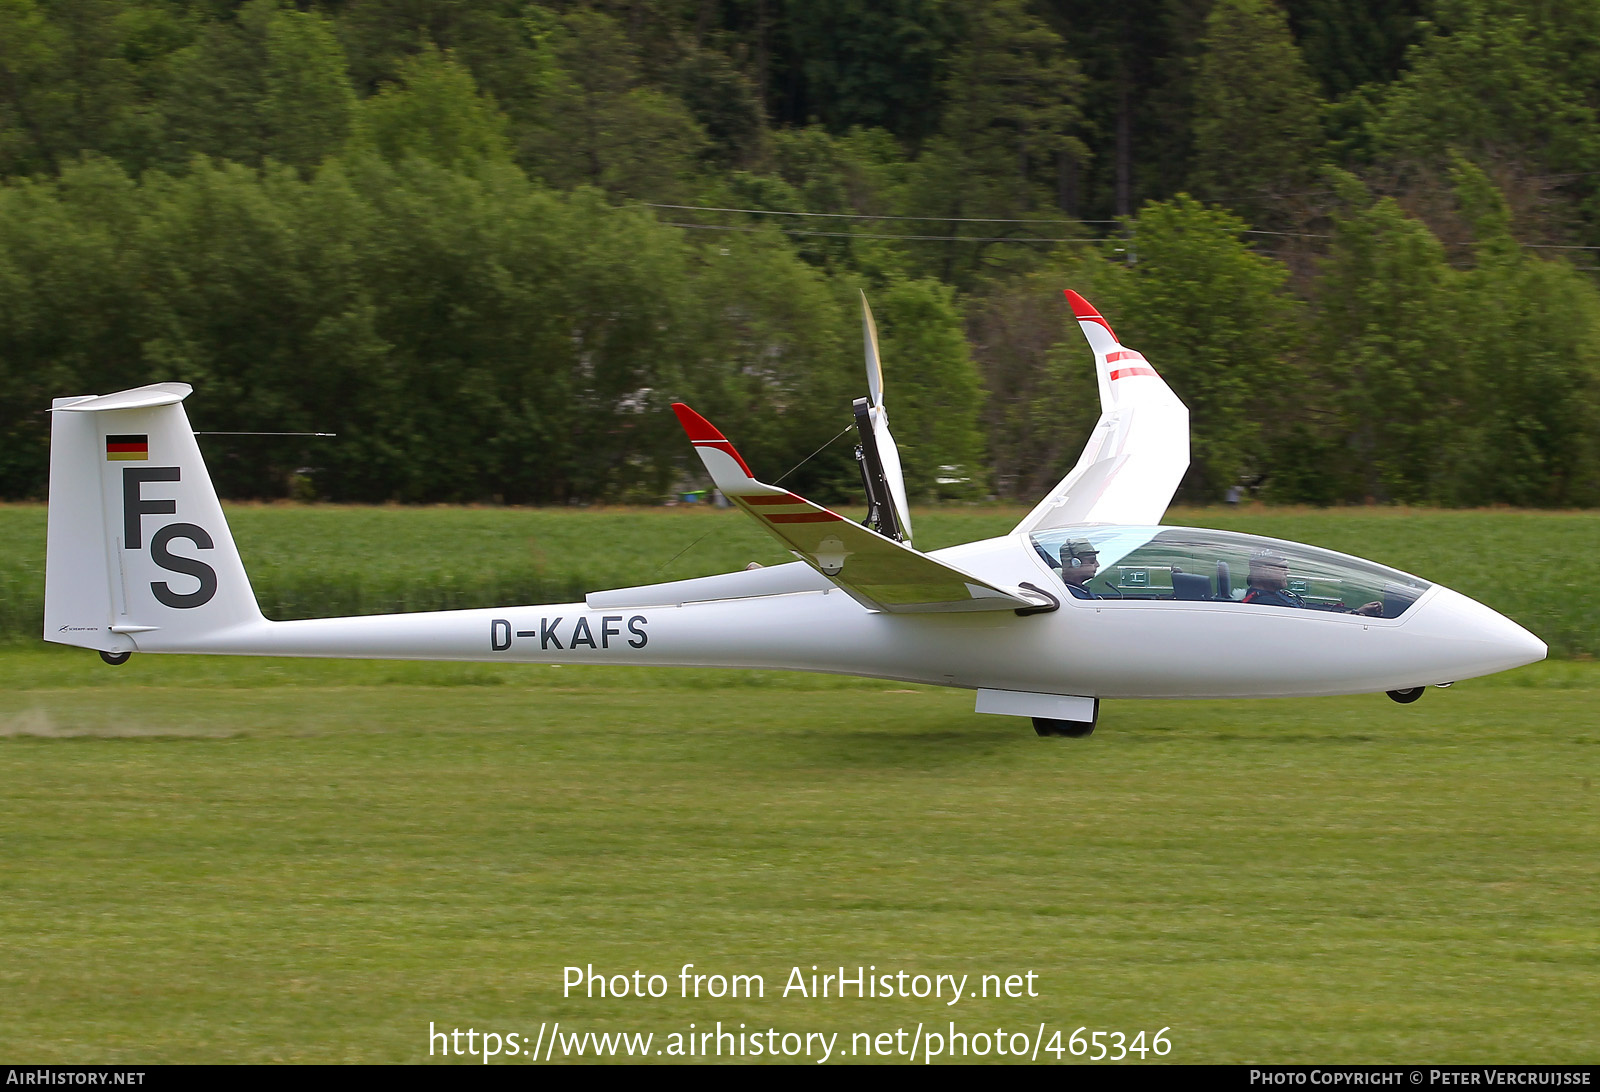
137 540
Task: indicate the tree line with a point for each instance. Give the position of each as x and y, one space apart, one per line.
487 243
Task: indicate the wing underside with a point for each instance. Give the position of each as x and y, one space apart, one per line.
878 572
1139 449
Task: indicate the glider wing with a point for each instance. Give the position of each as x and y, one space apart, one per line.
878 572
1139 449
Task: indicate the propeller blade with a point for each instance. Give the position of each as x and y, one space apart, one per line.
869 334
893 476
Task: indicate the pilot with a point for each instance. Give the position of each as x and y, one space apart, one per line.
1268 583
1079 563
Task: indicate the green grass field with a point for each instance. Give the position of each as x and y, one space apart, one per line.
248 860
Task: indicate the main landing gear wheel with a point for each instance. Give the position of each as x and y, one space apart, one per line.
1406 697
115 659
1073 729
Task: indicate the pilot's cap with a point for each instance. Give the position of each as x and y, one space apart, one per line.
1268 559
1078 550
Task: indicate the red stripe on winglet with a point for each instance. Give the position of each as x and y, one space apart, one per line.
802 517
1122 373
704 432
1085 312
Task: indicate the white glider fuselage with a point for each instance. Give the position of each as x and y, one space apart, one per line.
1094 648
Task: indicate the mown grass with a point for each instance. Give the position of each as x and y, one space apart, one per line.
242 860
216 859
1536 567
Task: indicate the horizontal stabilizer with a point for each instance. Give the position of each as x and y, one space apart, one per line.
878 572
148 397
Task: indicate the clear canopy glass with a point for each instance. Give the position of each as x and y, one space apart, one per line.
1191 564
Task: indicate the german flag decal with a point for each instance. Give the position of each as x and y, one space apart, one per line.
123 449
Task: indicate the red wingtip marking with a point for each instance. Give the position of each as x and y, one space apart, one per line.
696 426
704 433
1080 306
1084 311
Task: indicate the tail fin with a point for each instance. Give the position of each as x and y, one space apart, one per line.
139 555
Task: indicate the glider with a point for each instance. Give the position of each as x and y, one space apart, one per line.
1088 598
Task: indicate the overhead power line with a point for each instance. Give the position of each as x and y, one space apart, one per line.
870 216
880 235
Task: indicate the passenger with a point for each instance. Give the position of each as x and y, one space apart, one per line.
1269 587
1079 564
1268 583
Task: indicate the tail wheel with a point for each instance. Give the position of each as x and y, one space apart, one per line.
115 659
1406 697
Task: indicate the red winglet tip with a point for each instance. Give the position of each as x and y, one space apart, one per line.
1081 307
702 431
1084 311
696 426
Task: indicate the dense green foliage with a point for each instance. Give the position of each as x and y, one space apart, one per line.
454 233
321 560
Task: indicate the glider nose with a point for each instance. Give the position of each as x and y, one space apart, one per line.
1482 640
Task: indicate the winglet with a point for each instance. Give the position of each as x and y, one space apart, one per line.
726 467
696 426
704 434
1085 312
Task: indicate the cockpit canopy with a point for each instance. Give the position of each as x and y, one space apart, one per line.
1190 564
